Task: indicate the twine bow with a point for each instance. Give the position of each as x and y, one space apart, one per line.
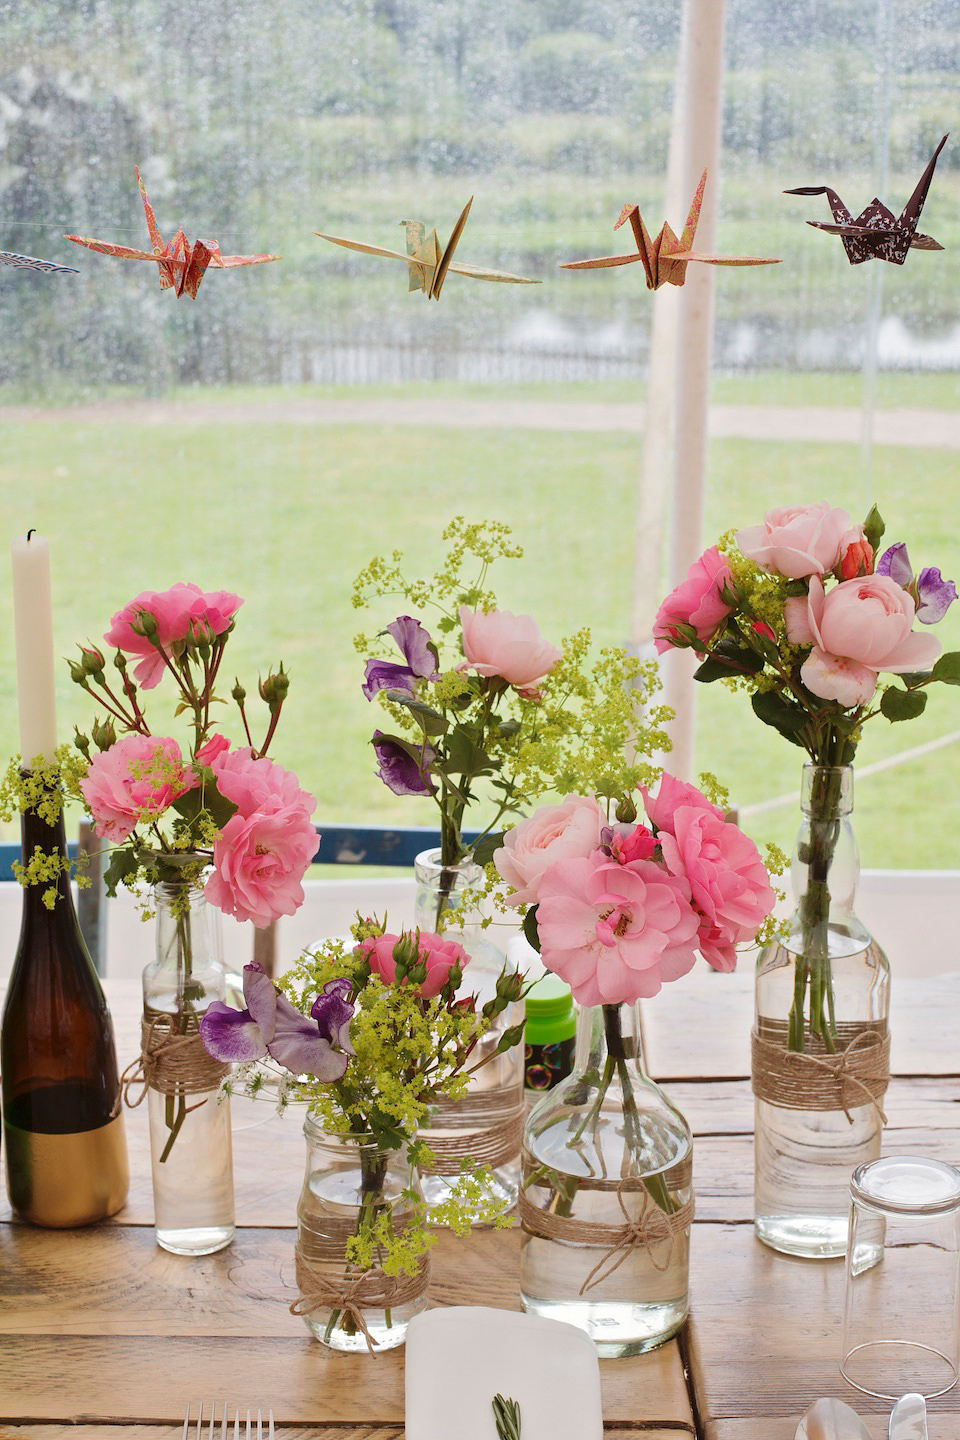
171 1063
351 1292
797 1080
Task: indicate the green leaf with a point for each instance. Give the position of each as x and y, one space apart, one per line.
728 658
785 717
205 797
463 753
919 677
947 668
873 528
508 728
530 930
123 865
899 704
432 721
484 849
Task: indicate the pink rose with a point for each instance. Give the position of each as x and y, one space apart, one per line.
671 795
216 746
554 832
437 953
799 540
857 629
697 601
614 932
252 784
135 780
856 560
511 646
637 844
729 884
259 861
179 612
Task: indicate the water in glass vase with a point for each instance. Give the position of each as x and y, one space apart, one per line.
820 992
607 1196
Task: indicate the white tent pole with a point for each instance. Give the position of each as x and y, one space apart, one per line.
703 23
658 426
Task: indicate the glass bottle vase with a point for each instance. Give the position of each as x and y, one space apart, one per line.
821 991
607 1197
190 1138
348 1186
492 1108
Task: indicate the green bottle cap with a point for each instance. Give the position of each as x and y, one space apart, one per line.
550 1013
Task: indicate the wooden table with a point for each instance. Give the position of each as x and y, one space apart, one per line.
102 1334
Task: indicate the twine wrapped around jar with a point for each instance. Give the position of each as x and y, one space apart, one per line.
816 1079
649 1228
340 1286
171 1063
496 1144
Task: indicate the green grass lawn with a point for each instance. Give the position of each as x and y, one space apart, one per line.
287 514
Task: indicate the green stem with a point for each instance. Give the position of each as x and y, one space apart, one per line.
813 969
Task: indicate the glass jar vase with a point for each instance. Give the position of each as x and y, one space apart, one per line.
190 1140
607 1195
350 1190
486 1124
820 1040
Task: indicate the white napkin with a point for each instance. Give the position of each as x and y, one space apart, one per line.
459 1358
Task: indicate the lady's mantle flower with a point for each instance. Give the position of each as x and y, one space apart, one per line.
270 1025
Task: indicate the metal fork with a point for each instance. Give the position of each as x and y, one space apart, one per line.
213 1432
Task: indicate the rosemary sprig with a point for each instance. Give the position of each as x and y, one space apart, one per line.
507 1415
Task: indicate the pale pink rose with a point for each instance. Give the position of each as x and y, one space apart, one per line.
554 832
213 749
252 784
511 646
672 794
729 884
259 861
179 612
439 954
135 780
614 932
799 540
857 629
697 601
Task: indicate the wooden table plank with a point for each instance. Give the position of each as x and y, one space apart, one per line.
700 1029
941 1427
115 1328
764 1340
104 1431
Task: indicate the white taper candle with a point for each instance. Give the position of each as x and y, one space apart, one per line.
33 628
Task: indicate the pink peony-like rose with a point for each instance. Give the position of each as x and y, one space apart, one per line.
511 646
729 884
697 601
439 954
213 749
614 932
628 845
253 784
179 612
264 849
554 832
135 780
800 540
259 861
671 795
857 629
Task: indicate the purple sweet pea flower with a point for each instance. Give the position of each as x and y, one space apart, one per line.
271 1026
403 768
933 595
333 1012
419 653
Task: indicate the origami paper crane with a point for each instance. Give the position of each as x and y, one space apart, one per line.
182 265
428 263
876 233
27 262
665 259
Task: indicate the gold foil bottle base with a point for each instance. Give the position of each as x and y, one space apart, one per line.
60 1181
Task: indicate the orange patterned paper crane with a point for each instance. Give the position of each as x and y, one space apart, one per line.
665 259
182 265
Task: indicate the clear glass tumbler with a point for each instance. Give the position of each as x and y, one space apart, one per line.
900 1311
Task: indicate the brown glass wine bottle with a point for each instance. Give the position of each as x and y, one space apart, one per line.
66 1154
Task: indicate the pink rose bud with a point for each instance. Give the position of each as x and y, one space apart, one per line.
856 560
762 629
